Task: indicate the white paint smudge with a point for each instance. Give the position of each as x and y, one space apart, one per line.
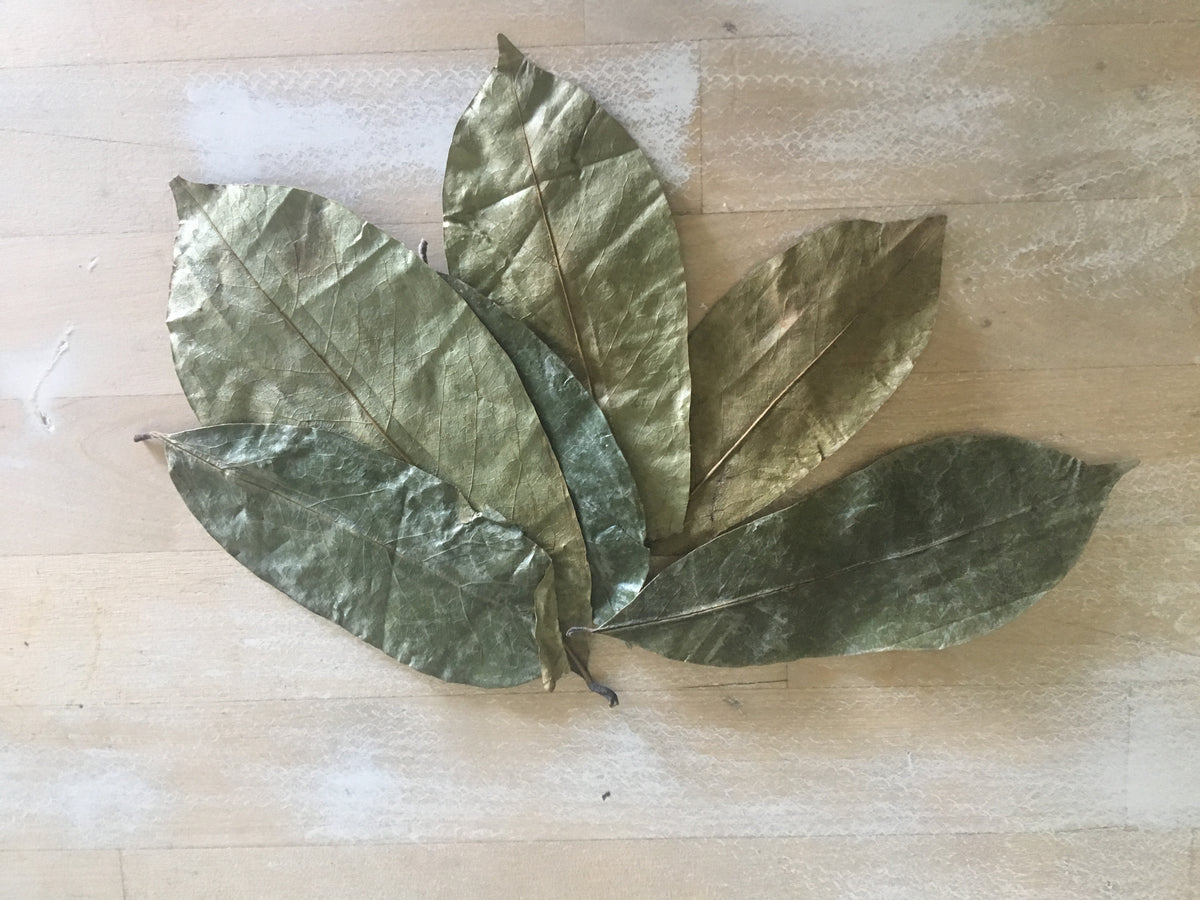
349 132
885 34
91 796
92 263
332 130
64 344
890 128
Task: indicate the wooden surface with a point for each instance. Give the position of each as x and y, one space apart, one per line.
172 727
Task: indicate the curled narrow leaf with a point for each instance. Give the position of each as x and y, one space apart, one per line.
597 475
286 307
931 545
797 356
387 551
551 208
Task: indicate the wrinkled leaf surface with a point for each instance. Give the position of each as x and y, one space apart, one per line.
392 554
798 355
286 307
597 475
551 208
929 546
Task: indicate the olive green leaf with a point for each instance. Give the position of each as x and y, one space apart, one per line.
387 551
286 307
797 356
931 545
597 475
551 208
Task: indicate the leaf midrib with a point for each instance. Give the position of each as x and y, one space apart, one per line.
746 434
397 451
340 522
743 599
568 306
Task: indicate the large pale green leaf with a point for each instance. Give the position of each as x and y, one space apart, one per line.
929 546
390 553
286 307
597 475
798 355
551 208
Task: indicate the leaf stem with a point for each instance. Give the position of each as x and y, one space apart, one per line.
581 669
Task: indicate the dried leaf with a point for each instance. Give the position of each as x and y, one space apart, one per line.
390 553
551 208
286 307
597 475
798 356
929 546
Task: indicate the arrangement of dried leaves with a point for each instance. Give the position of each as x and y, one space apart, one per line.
470 471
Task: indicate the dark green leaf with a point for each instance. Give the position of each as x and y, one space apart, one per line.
929 546
798 356
390 553
606 502
286 307
551 208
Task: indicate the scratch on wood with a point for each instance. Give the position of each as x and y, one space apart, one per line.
64 344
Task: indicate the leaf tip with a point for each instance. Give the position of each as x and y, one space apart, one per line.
1122 467
510 57
182 191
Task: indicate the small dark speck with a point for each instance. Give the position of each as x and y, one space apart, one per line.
729 27
1101 65
986 323
1142 92
606 795
27 643
734 702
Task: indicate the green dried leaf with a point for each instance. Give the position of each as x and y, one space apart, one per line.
597 475
390 553
286 307
551 208
929 546
798 356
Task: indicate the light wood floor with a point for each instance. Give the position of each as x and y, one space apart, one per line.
172 727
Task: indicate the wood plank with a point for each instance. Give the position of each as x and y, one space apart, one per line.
89 489
1125 864
894 29
1026 285
1098 414
677 764
369 130
112 348
183 627
42 34
61 874
1194 872
1108 283
197 627
792 125
81 484
1164 728
1126 614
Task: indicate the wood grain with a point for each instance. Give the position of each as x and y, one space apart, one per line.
171 726
678 764
1050 113
1034 866
124 30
